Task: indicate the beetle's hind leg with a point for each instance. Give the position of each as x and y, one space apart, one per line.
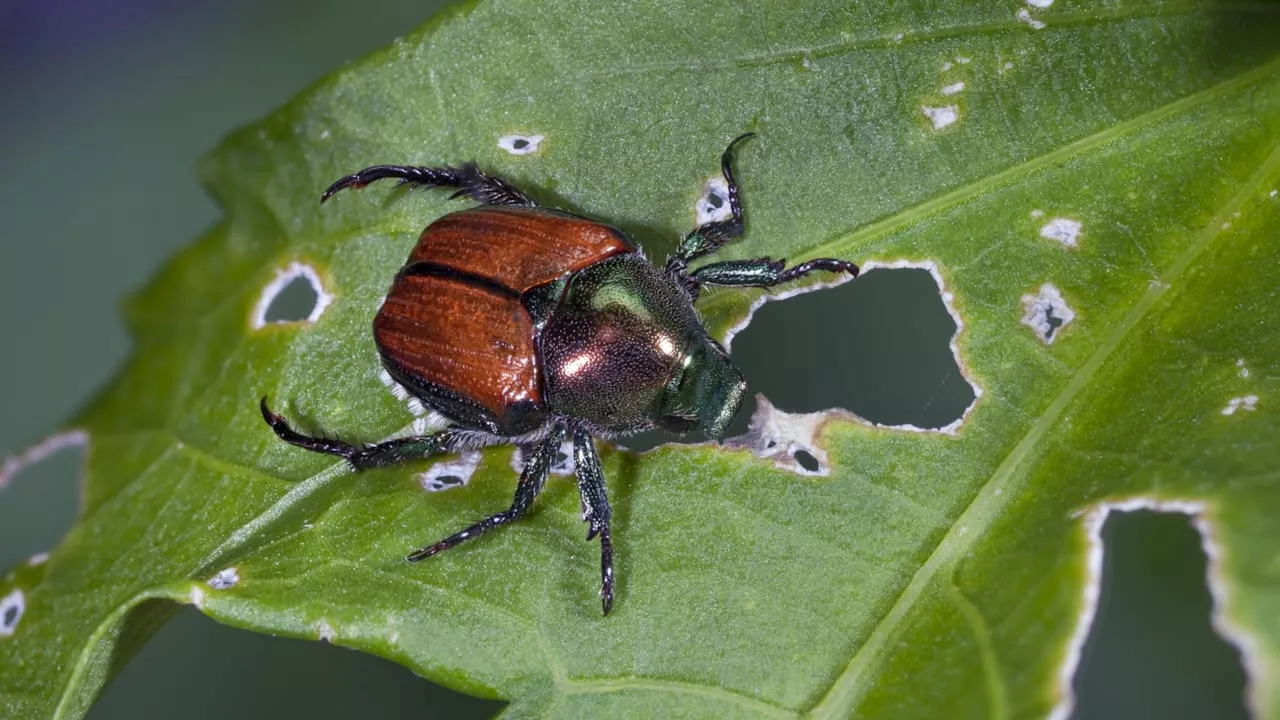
391 452
531 482
471 181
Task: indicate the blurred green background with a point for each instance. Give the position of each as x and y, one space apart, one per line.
107 106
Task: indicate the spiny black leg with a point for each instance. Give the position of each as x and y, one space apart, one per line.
827 264
471 181
391 452
763 272
532 479
712 236
595 508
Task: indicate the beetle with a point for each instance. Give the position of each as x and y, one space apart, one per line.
528 325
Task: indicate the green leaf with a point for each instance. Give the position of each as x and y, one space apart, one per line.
928 574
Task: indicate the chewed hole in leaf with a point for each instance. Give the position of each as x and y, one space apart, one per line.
1152 650
263 673
12 606
713 204
225 579
295 294
844 351
806 460
1046 313
521 144
451 473
40 482
562 466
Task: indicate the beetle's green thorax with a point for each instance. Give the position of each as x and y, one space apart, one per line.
624 350
708 391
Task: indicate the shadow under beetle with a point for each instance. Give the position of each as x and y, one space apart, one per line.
523 325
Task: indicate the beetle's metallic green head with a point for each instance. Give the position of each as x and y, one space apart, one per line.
706 395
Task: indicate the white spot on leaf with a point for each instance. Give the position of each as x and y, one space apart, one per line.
325 631
713 205
941 117
1063 230
224 579
1040 3
12 606
1248 403
40 451
1046 313
952 89
1244 369
521 144
293 271
449 474
562 466
786 439
1025 16
38 559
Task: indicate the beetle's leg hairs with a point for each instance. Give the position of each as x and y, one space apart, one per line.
471 181
706 239
763 272
532 479
391 452
595 508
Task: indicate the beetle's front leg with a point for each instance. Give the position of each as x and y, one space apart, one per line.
763 272
391 452
595 508
708 238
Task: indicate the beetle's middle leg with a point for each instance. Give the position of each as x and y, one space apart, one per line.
471 181
391 452
531 482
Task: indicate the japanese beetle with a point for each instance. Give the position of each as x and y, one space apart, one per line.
523 325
